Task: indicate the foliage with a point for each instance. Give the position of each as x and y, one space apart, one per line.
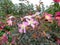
53 8
6 7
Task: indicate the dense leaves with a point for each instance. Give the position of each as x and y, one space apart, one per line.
53 8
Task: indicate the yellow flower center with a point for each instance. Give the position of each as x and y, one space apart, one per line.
23 26
31 22
47 17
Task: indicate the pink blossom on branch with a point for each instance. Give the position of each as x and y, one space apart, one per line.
57 17
4 38
48 17
9 22
22 27
32 23
56 1
58 41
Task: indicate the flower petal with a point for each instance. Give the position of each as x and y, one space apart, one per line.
19 25
36 23
25 23
20 30
24 30
33 26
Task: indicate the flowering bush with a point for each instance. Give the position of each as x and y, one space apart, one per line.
32 29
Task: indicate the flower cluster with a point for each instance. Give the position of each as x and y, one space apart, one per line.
28 21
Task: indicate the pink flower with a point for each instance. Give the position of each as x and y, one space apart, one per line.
56 1
57 17
32 22
9 22
4 38
22 27
57 14
58 41
48 17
